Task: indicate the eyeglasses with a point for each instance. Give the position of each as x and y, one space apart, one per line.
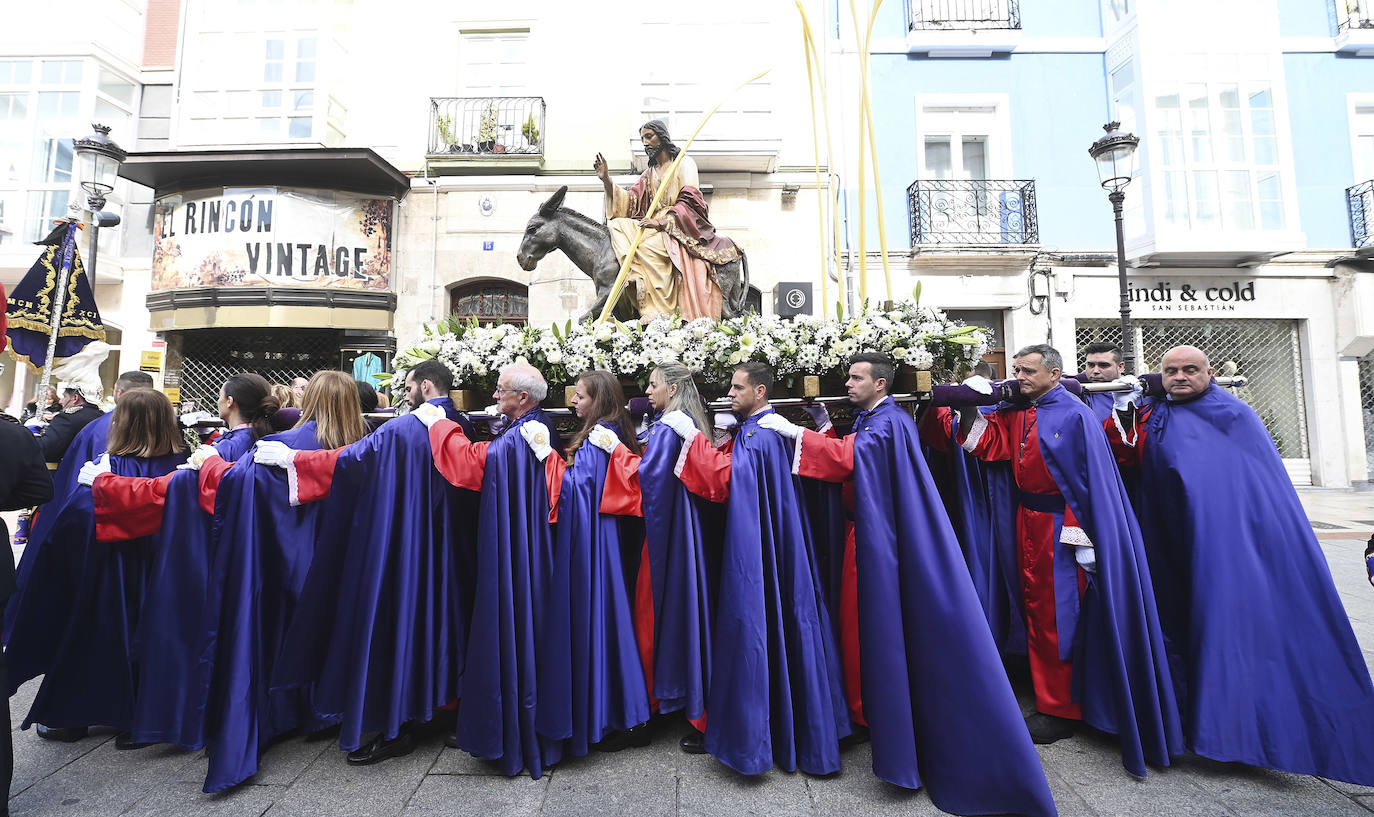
500 390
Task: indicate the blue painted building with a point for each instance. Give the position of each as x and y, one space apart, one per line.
1244 225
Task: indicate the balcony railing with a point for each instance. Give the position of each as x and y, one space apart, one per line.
486 125
948 15
1353 14
972 212
1360 201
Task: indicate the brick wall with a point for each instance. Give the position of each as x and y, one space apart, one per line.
160 33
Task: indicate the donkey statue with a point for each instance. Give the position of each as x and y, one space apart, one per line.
587 244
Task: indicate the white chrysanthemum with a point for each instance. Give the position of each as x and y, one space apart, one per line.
920 358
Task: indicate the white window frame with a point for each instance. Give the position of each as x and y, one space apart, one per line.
948 115
1361 124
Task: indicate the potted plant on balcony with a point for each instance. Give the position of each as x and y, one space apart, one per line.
530 130
446 139
486 129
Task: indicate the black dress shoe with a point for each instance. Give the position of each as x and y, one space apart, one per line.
381 749
854 738
693 743
451 740
637 736
125 741
64 734
1046 729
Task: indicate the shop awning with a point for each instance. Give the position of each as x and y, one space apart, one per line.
357 170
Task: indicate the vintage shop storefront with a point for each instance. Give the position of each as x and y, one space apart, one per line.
276 261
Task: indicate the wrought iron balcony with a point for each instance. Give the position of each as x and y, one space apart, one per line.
1353 14
486 125
1360 201
972 212
937 15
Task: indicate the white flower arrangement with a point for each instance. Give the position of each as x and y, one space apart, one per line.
915 336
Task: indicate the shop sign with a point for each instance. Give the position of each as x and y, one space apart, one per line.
271 236
150 361
1179 297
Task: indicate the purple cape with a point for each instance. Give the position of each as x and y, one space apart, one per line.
924 644
170 702
260 550
590 680
684 571
514 563
78 621
1121 674
980 498
1269 671
88 444
776 694
381 622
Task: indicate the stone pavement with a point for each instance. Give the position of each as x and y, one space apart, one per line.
308 779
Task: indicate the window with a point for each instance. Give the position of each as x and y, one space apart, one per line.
1362 137
52 160
58 104
1216 144
491 302
60 72
494 64
44 207
963 138
16 72
116 87
14 107
305 59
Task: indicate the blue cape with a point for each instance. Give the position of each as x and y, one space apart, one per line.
88 444
681 532
1121 673
514 563
590 679
78 621
381 621
936 698
776 694
1268 669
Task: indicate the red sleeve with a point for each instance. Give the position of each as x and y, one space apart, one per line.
128 507
989 437
824 457
620 494
553 482
311 475
460 460
937 428
704 469
211 472
1127 443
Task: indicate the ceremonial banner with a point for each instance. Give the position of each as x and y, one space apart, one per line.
271 236
29 308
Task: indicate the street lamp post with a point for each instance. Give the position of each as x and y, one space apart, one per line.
1115 157
99 159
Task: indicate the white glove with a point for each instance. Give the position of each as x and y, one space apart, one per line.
680 423
274 453
536 435
603 438
429 414
1086 558
195 418
1127 400
776 422
820 415
979 384
91 470
198 458
724 420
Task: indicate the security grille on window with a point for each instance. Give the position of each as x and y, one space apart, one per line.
1265 351
211 356
1367 409
491 303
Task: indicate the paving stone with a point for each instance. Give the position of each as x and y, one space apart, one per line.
460 795
281 764
456 761
1256 792
186 800
708 788
102 781
1090 765
331 786
35 758
634 782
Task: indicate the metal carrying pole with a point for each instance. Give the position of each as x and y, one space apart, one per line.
58 304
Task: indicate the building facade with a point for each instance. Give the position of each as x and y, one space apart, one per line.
1243 225
391 154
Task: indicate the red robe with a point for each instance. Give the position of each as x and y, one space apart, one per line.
1010 435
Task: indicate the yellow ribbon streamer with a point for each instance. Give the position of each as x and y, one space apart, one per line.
813 54
658 195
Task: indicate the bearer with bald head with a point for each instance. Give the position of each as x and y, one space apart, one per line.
1266 665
